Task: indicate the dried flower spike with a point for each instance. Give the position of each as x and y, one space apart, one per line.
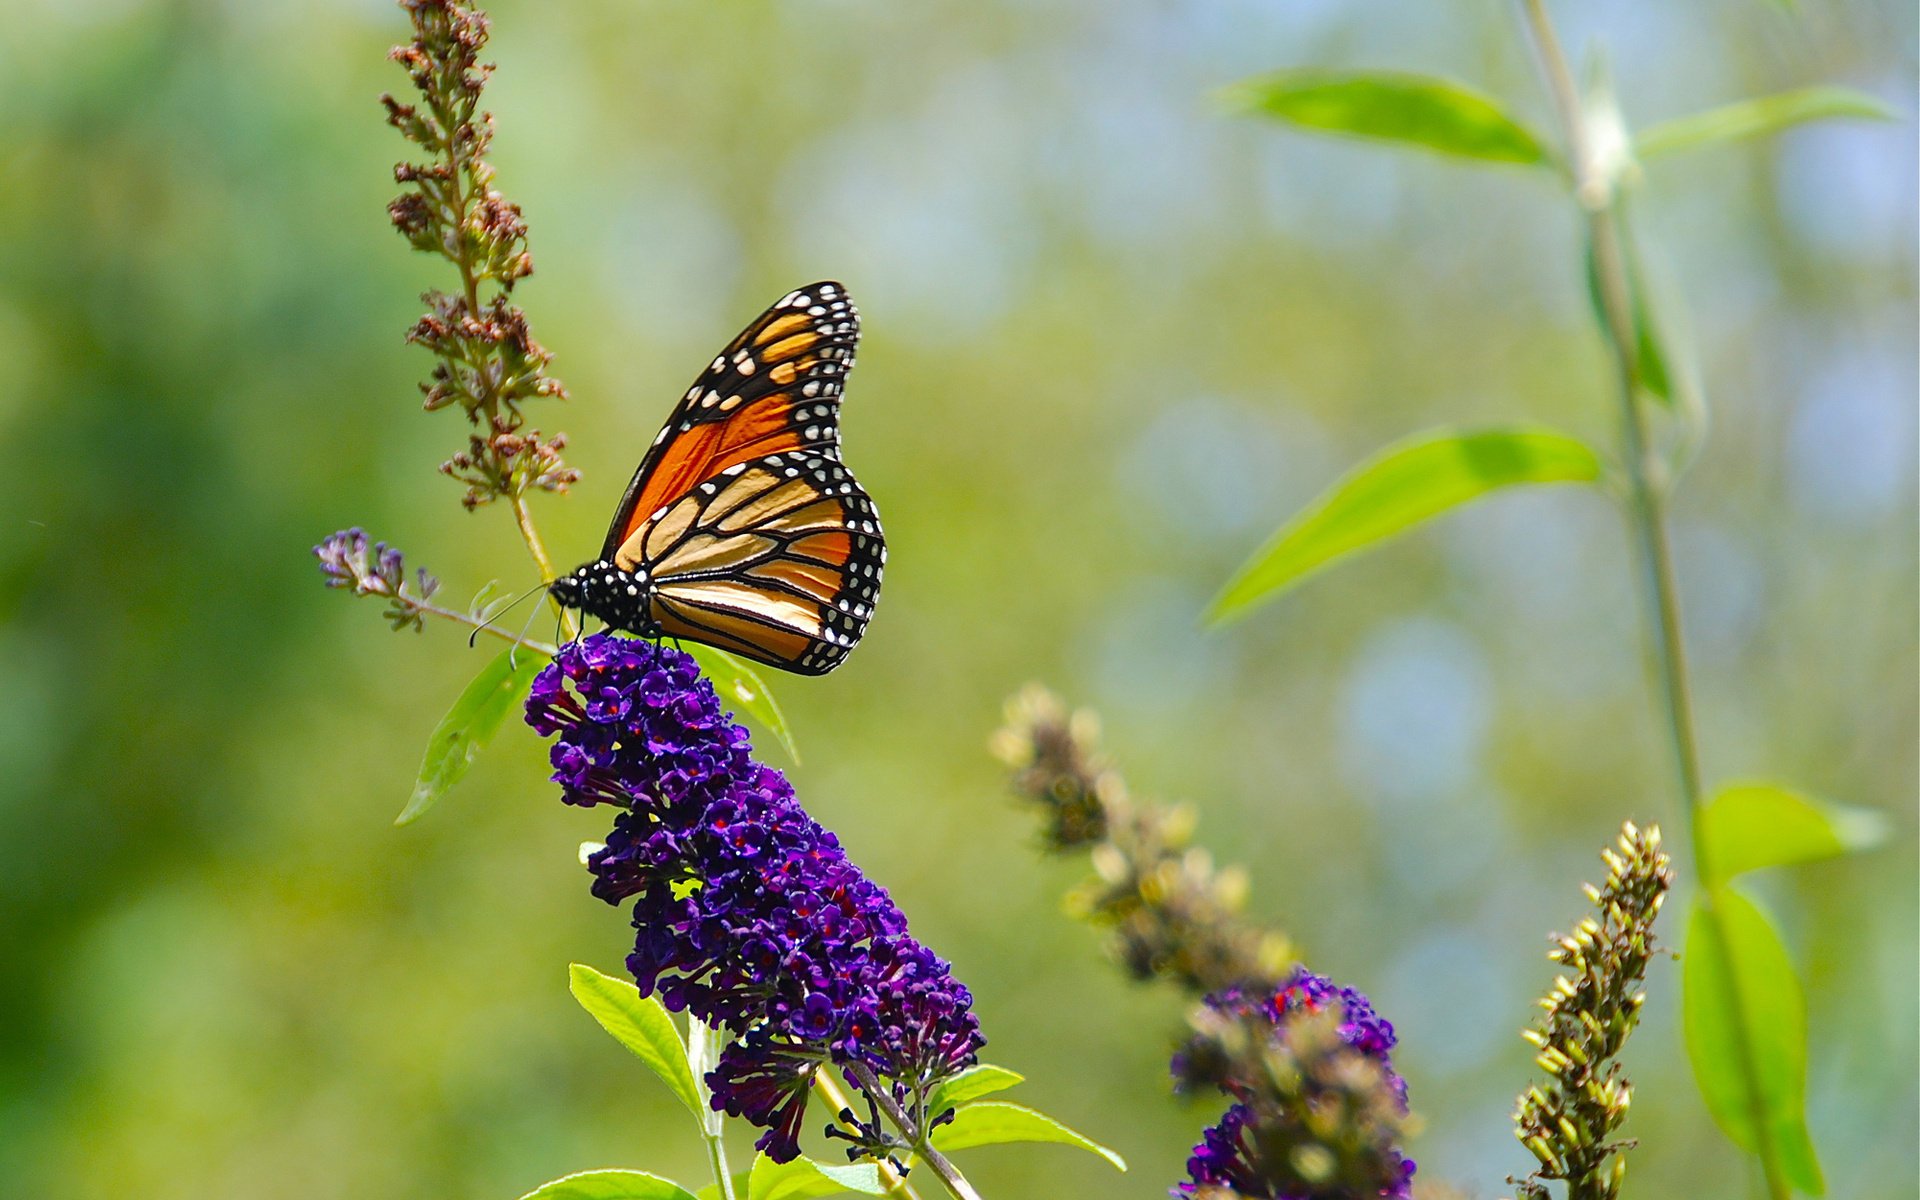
1588 1013
1173 915
489 363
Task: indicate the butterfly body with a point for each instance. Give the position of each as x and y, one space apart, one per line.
742 528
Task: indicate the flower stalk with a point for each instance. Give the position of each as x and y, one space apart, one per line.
1598 195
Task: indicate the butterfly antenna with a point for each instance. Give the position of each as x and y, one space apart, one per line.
474 637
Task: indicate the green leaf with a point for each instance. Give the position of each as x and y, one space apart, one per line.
1746 826
1757 118
641 1025
803 1179
1746 1032
711 1191
738 683
969 1085
993 1122
1413 110
1403 485
610 1185
472 721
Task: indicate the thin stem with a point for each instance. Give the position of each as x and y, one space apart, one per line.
836 1099
703 1050
1647 480
523 516
454 614
941 1166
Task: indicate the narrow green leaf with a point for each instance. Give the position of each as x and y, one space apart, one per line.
1403 485
1649 340
804 1179
472 721
1746 826
641 1025
993 1122
1746 1031
610 1185
1757 118
969 1085
1413 110
739 683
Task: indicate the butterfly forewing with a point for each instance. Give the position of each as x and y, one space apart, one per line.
775 389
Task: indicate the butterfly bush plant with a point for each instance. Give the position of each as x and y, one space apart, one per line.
795 974
771 982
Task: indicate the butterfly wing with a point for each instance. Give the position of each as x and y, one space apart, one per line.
778 560
775 389
753 535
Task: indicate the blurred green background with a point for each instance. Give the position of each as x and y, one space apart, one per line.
1111 339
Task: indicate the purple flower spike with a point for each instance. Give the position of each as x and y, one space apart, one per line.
748 913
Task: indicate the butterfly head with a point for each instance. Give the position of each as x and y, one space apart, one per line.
608 591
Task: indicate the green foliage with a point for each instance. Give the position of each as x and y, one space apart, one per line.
1402 486
969 1085
1648 339
1412 110
610 1185
739 683
469 725
1747 826
1758 117
804 1179
1746 1031
642 1026
995 1122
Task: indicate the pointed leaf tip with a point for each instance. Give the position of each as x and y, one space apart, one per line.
469 725
1402 486
1412 110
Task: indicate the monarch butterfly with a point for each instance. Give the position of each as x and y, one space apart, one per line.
742 529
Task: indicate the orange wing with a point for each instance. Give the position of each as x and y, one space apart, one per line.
777 559
775 390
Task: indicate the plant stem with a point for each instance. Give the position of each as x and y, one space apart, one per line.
942 1167
452 614
703 1050
1647 479
836 1099
523 516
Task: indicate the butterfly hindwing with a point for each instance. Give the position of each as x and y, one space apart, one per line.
775 389
778 560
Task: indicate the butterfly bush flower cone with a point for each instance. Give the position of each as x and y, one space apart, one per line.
748 913
1318 1112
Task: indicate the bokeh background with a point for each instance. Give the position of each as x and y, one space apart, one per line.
1111 339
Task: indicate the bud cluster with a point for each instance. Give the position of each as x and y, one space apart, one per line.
1586 1017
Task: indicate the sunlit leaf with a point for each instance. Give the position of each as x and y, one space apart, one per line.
610 1185
1747 826
642 1025
804 1179
1398 488
740 684
1758 117
711 1191
1413 110
1746 1032
472 721
971 1084
993 1122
